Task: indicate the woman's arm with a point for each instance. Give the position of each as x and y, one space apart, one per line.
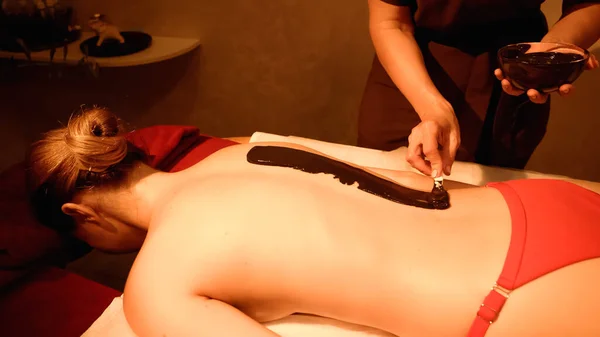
579 25
195 316
178 262
392 31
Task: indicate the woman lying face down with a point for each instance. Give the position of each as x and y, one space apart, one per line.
232 242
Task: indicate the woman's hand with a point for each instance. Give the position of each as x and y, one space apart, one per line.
432 144
536 96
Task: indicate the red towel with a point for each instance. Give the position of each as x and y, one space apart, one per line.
174 148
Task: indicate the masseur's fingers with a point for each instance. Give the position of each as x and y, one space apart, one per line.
565 89
509 89
592 62
431 137
506 85
437 127
447 158
499 75
414 153
536 96
449 148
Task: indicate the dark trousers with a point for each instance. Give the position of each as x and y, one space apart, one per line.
496 129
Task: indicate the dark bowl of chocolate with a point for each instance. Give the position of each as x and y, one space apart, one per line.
543 66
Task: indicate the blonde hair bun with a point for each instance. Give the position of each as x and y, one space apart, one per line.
96 138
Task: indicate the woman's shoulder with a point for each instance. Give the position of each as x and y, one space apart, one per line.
190 230
197 199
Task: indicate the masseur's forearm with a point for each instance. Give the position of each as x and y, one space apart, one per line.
401 57
580 26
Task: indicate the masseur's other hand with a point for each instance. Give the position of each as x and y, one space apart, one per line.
534 95
436 138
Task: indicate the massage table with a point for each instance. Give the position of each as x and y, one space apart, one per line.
112 322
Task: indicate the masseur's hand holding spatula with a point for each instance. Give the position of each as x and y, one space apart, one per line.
433 143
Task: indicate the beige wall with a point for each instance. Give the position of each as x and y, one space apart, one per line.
289 67
572 146
292 67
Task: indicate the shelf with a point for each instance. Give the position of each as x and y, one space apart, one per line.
162 48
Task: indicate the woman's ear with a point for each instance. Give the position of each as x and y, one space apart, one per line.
86 216
79 212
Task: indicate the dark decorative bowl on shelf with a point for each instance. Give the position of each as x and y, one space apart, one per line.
134 43
36 31
543 66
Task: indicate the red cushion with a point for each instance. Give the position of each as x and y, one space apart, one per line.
174 148
204 147
51 303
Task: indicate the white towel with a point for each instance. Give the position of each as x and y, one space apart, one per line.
469 173
393 160
111 323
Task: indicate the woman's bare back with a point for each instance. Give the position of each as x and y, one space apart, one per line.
277 241
273 241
